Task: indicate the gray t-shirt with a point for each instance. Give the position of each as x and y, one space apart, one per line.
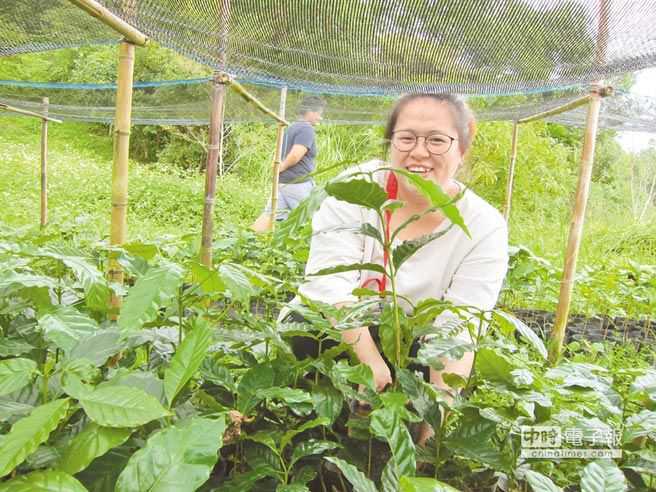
301 133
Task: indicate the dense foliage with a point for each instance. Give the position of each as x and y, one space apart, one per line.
196 387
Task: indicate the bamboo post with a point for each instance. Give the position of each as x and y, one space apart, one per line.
511 172
95 9
44 166
120 164
568 106
582 191
276 158
214 150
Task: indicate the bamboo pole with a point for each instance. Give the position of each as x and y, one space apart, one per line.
557 336
44 166
275 178
120 164
25 112
241 90
573 104
214 150
95 9
511 172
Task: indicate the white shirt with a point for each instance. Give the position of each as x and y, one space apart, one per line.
454 267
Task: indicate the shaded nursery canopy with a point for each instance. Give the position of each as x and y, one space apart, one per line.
373 47
187 102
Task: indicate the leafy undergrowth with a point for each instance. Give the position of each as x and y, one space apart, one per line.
196 387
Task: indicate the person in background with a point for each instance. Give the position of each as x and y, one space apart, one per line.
299 152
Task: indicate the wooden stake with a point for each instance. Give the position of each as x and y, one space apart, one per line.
511 172
275 178
213 152
95 9
122 122
44 166
576 227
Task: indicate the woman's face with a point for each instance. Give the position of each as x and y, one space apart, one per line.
430 125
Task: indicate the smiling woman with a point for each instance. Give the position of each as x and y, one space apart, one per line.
463 265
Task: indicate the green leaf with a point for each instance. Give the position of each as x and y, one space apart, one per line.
540 483
10 347
151 292
358 192
98 347
9 408
187 359
292 487
27 433
209 280
15 374
639 425
387 425
645 384
311 447
494 366
290 434
423 484
85 271
66 326
43 481
437 197
327 401
297 400
256 378
92 442
212 370
176 459
510 323
603 476
120 406
408 248
102 473
358 479
434 349
368 230
372 267
473 439
237 283
342 373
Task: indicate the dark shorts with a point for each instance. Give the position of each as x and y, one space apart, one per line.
304 347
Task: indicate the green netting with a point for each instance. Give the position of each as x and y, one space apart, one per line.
187 102
370 46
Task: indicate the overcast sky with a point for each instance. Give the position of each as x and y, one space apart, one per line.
645 86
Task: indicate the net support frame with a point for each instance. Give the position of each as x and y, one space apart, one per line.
243 92
122 125
43 216
597 92
511 172
25 112
579 101
213 152
575 235
275 178
104 15
215 138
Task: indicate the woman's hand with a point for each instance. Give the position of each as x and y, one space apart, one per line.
381 371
